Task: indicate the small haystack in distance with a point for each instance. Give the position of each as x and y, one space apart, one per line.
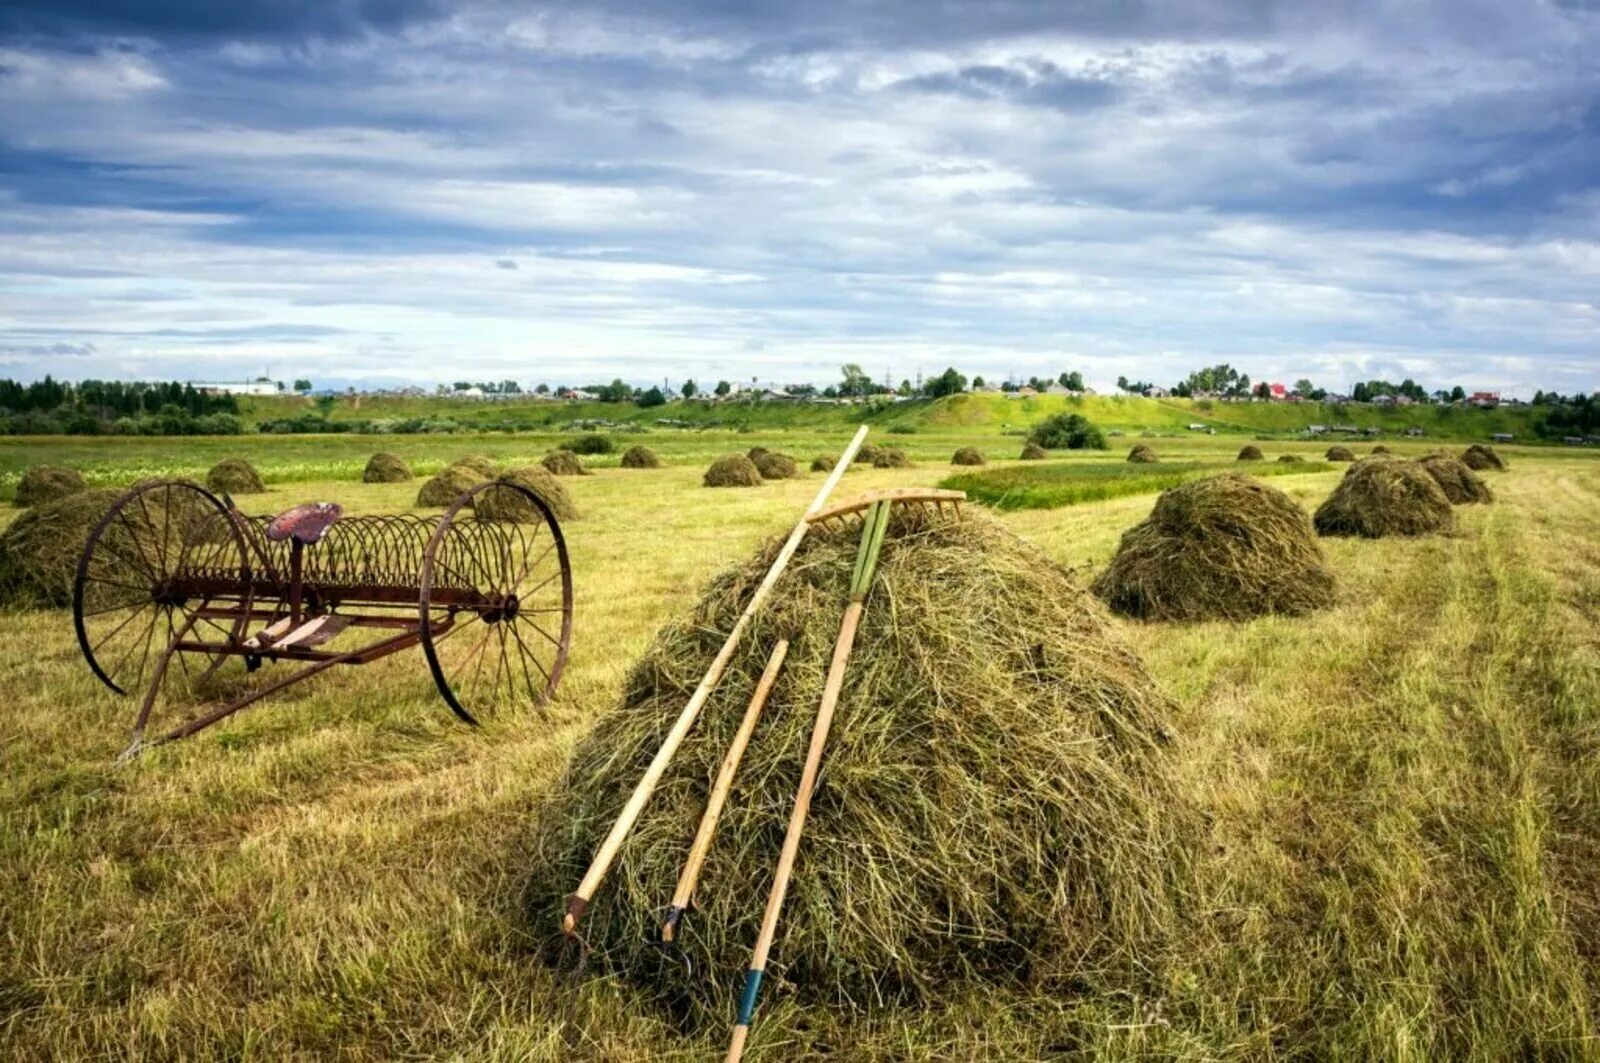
967 456
234 476
1460 484
775 466
995 805
386 468
494 504
1384 496
1142 454
477 463
868 453
733 470
1250 452
444 488
1224 548
564 463
757 453
1339 453
824 462
640 457
891 458
46 483
1290 459
39 551
1032 451
1381 449
1480 457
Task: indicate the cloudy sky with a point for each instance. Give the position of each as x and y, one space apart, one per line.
409 189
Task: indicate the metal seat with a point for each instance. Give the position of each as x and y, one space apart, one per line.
306 523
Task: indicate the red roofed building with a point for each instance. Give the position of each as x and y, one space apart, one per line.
1279 392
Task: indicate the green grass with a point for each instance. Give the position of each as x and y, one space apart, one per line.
1401 800
1040 485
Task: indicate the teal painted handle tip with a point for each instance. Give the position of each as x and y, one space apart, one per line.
747 1002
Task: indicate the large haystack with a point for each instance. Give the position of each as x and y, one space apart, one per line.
640 457
1460 484
564 463
1142 454
994 805
1251 452
477 463
1032 451
775 466
891 458
386 468
234 476
967 456
1340 453
39 551
495 504
1385 496
46 483
1224 548
733 470
1480 457
444 488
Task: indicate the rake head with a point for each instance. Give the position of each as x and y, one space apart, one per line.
852 513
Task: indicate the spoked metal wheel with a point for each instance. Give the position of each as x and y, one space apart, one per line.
167 561
496 603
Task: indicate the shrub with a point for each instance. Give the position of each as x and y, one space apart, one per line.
590 443
1068 431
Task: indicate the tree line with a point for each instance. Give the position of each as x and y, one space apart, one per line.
106 407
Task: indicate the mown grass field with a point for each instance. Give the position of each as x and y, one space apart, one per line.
1401 798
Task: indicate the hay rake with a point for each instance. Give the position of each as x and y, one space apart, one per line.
174 573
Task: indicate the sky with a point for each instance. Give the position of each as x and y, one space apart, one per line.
388 191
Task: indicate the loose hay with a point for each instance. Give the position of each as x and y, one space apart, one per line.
564 463
386 468
994 804
234 476
775 466
46 483
1480 457
1142 454
1340 454
477 463
39 551
1384 496
1033 452
967 456
447 486
1251 452
495 504
1224 548
734 470
891 458
640 457
1460 484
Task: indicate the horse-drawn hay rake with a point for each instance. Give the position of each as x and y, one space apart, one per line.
173 573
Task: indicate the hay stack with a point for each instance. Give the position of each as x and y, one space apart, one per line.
1142 454
386 468
755 454
891 458
46 483
775 466
868 453
1338 453
39 551
1460 484
564 463
1381 449
494 504
967 456
734 470
1224 548
994 806
1032 451
1480 457
1251 452
1383 496
824 462
444 488
476 463
234 476
640 457
1289 459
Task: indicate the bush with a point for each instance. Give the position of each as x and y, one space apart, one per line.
590 443
902 430
1068 431
46 483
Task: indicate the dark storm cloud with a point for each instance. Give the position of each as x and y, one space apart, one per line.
197 19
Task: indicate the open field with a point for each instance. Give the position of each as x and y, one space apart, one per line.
1401 797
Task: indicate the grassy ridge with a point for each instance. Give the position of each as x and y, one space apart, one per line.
1047 486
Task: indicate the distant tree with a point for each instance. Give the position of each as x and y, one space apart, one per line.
325 404
1067 431
830 392
652 397
688 390
723 387
856 382
1304 387
1009 386
948 382
618 390
302 385
542 389
905 387
510 387
1072 381
977 383
1361 393
1458 394
1263 390
461 385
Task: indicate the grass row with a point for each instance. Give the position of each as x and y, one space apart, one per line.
1048 486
